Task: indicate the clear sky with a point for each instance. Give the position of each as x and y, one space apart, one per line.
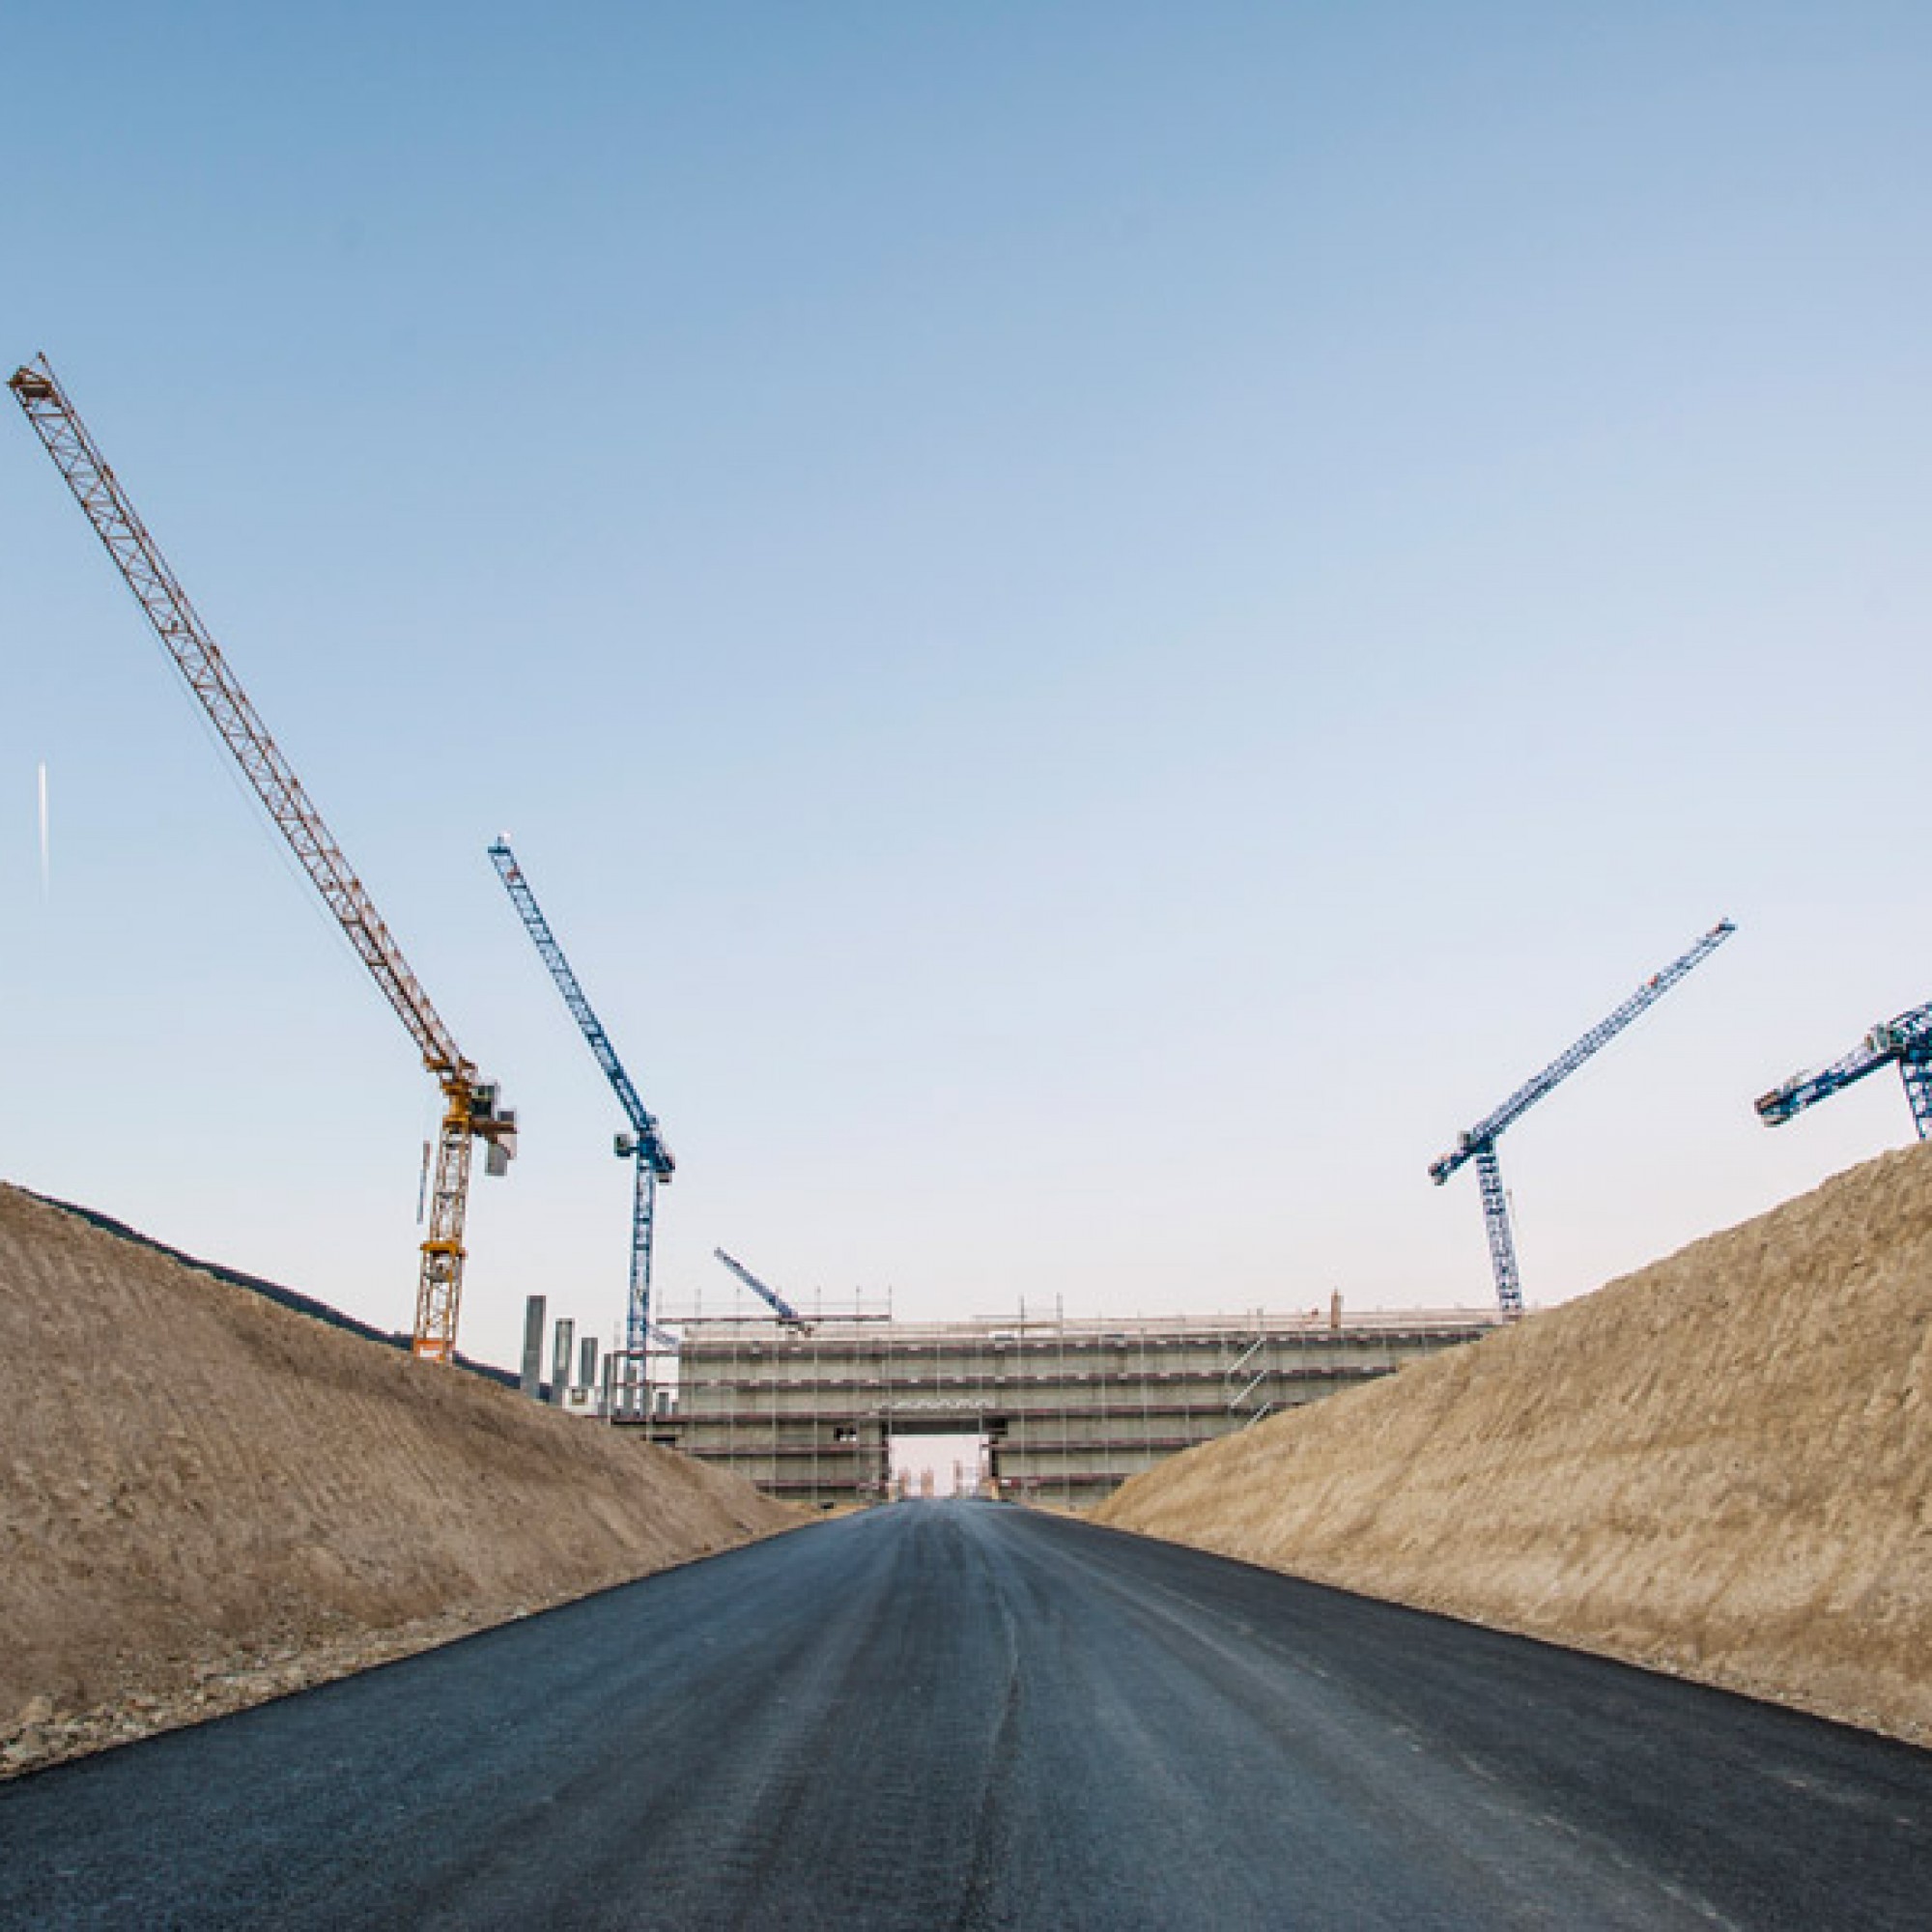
1097 625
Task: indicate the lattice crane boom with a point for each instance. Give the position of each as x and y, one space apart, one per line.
1906 1040
644 1144
770 1296
1572 1058
471 1108
1479 1142
643 1123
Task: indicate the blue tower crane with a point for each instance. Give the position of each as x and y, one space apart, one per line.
1479 1142
771 1298
1905 1040
644 1144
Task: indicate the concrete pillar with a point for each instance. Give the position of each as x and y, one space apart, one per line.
531 1382
587 1362
559 1361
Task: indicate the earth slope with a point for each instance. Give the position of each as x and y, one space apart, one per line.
1719 1466
207 1499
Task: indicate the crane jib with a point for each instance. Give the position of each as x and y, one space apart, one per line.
471 1106
644 1145
769 1296
1485 1132
1479 1142
643 1123
187 641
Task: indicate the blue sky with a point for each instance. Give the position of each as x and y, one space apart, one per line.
1096 626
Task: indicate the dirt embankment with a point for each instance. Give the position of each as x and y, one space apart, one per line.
207 1499
1720 1466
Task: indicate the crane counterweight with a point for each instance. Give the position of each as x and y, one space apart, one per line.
1906 1040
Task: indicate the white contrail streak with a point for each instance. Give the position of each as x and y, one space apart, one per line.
46 877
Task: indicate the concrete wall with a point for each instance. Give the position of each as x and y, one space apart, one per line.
1071 1409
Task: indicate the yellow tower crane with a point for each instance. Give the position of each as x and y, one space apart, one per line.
470 1107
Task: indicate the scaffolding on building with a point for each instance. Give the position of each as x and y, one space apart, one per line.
1066 1407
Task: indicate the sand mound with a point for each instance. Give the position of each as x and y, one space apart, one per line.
206 1499
1720 1466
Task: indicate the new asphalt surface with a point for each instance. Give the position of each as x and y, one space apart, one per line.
968 1715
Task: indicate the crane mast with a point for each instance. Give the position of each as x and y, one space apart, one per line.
1906 1040
1479 1142
471 1106
644 1144
770 1296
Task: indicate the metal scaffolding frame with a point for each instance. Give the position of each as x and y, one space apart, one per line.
1067 1408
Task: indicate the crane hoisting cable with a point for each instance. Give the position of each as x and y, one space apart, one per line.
471 1106
1479 1142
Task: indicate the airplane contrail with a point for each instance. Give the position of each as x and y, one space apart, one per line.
46 877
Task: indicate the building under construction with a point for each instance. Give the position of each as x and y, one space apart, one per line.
1060 1410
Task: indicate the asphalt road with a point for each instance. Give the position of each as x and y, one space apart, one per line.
963 1715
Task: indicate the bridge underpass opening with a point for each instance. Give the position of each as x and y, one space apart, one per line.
934 1462
1068 1407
